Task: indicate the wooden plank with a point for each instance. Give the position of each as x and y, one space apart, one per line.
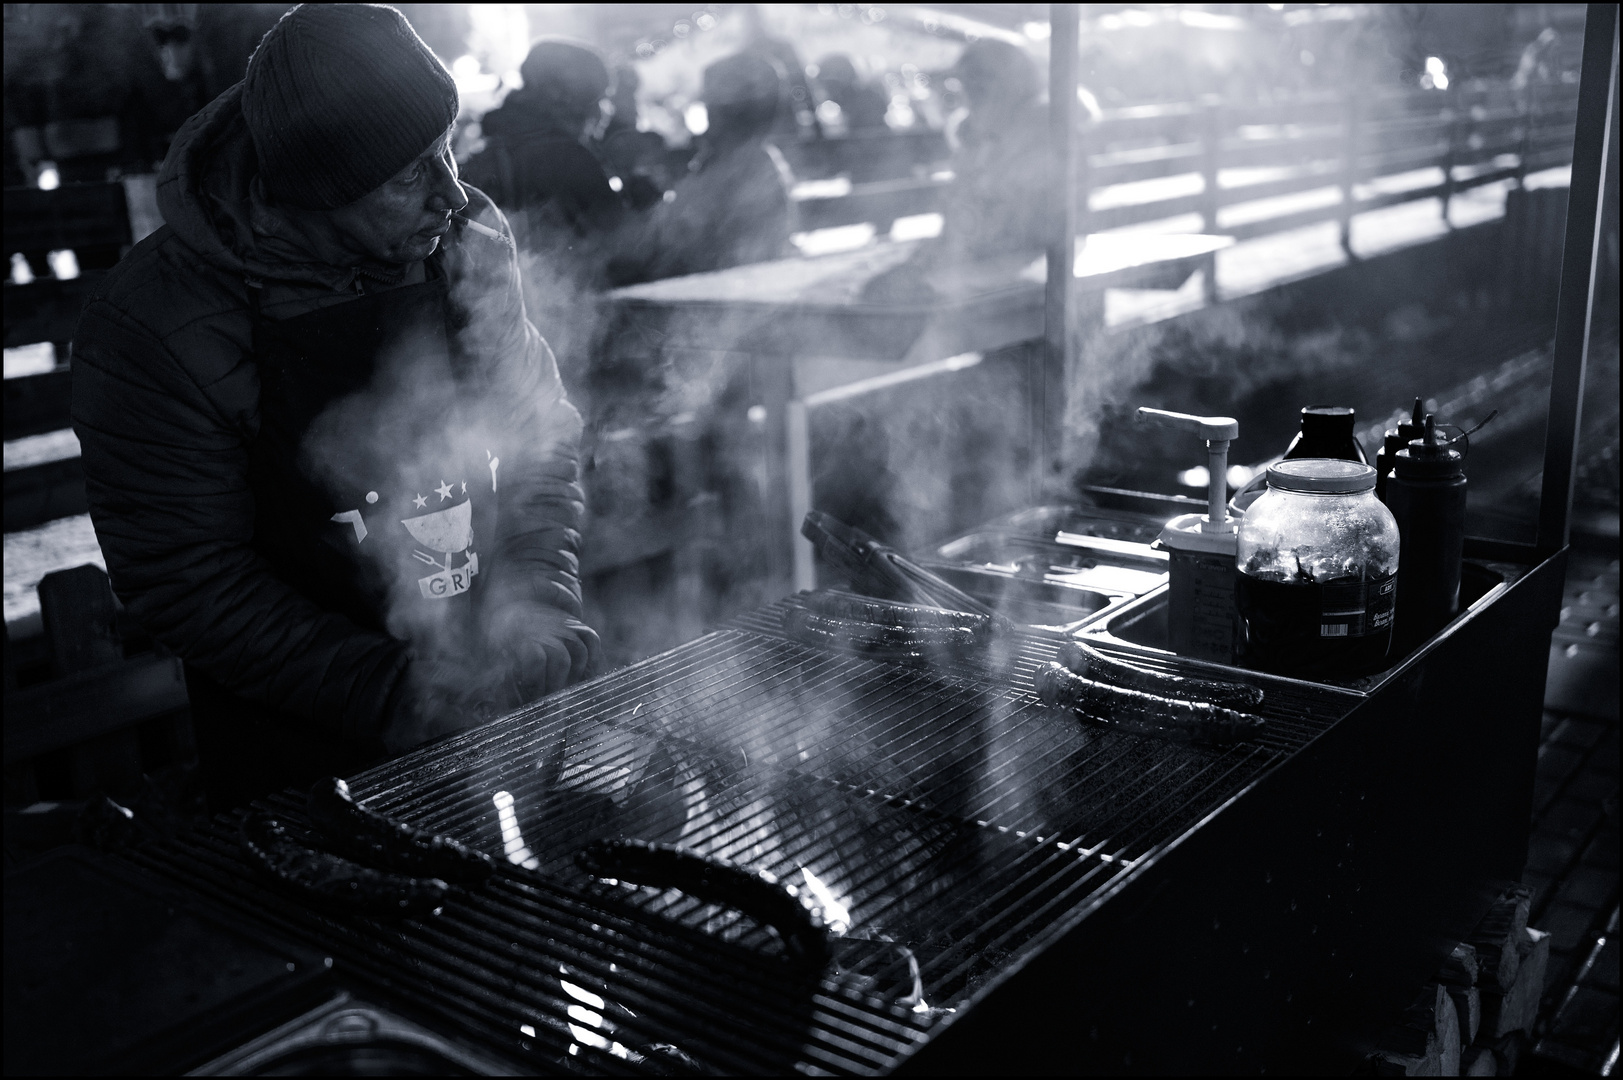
1145 163
71 216
1115 217
42 493
65 712
880 202
80 619
48 309
1323 177
1313 147
36 404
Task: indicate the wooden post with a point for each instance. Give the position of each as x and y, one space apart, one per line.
1349 168
1063 45
1211 151
1456 97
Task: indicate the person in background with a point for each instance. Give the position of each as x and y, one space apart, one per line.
637 157
536 164
998 199
861 107
328 459
796 116
733 206
999 196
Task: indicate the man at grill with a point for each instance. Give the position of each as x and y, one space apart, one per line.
329 460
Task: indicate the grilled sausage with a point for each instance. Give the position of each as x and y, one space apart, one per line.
370 837
892 613
332 880
1144 714
825 631
1090 662
758 894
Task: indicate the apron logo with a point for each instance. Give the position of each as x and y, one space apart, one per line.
449 532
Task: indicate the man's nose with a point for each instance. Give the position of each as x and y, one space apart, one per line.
447 193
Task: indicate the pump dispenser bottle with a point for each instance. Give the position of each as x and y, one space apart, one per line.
1202 619
1426 495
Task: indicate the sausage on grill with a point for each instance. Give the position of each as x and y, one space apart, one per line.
370 837
758 894
1144 714
826 631
892 613
1090 662
333 880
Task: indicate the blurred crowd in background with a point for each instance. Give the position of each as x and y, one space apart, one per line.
623 105
630 144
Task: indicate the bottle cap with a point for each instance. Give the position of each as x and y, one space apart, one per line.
1429 456
1321 476
1332 415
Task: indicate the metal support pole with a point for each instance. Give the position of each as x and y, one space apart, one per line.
1574 313
1063 46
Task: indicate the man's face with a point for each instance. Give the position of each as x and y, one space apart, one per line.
402 221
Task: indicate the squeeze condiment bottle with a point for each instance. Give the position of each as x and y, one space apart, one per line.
1427 496
1202 620
1396 439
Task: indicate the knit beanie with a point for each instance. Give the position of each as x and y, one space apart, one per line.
340 97
558 69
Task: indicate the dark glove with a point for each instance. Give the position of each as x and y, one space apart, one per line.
542 648
440 696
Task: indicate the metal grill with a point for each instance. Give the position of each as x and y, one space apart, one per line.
952 814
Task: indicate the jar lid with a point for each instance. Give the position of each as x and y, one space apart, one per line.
1321 476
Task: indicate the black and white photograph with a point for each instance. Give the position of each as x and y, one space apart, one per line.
822 539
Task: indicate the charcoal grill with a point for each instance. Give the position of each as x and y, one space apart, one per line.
953 815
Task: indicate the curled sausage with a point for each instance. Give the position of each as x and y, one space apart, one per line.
865 609
810 628
1144 714
797 918
332 880
370 837
1089 662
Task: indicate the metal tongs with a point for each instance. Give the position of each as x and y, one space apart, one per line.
880 570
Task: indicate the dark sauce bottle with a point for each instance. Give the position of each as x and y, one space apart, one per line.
1396 439
1427 497
1327 432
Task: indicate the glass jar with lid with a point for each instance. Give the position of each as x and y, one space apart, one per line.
1317 562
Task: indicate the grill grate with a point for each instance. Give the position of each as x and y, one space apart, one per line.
952 813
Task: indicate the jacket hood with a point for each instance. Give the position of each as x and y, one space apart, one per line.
208 195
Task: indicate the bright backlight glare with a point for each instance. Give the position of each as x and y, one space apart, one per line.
697 118
512 839
1036 31
49 178
1436 76
64 264
1198 477
465 67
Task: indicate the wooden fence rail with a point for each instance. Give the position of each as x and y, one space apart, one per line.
1474 135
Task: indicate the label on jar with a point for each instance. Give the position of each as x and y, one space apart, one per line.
1359 608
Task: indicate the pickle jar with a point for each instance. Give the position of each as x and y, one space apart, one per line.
1317 564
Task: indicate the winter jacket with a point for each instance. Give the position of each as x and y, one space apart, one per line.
532 163
166 403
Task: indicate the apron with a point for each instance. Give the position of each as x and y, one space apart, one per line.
363 503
